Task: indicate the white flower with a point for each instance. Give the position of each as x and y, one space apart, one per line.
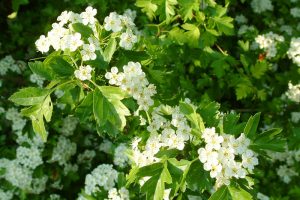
293 92
102 176
260 6
120 157
294 51
124 193
261 196
113 22
94 41
208 133
42 44
64 17
112 76
84 73
295 12
268 42
130 13
88 15
249 160
63 150
226 154
88 52
214 142
286 173
153 144
29 157
75 41
128 39
207 155
241 19
216 168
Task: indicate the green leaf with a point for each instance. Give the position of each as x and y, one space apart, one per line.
149 170
178 35
259 69
219 67
243 88
221 194
148 7
155 186
231 125
47 108
60 67
170 9
168 153
197 178
110 50
84 30
237 193
39 126
224 25
29 96
251 126
209 114
40 69
244 45
195 119
109 108
112 92
37 113
192 34
269 140
85 108
187 8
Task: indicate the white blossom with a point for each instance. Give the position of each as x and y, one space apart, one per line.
113 22
84 73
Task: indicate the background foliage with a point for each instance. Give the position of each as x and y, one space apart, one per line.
190 49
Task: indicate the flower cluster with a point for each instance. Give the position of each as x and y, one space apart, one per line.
295 117
241 19
120 157
244 29
289 158
8 195
225 156
63 150
121 194
124 24
69 125
34 78
18 122
260 6
9 64
29 157
294 51
293 92
286 173
295 12
102 176
62 35
19 171
134 81
174 134
261 196
268 43
106 146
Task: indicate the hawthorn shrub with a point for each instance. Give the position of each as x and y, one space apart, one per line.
150 99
